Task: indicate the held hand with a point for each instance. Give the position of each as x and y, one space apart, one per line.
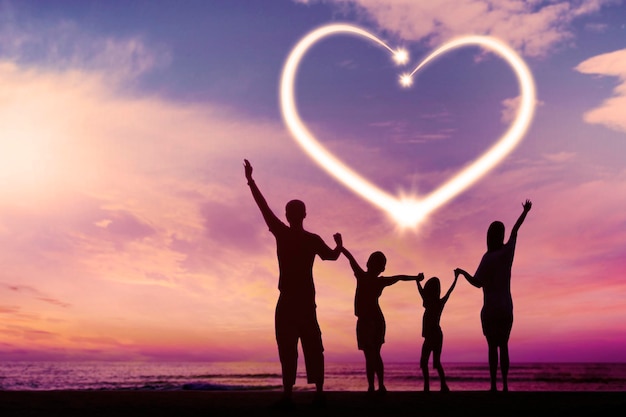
527 206
247 169
420 276
338 239
457 272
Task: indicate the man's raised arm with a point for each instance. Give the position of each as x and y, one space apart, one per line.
328 254
269 216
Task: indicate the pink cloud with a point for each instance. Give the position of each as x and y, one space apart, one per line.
530 27
89 232
611 112
64 45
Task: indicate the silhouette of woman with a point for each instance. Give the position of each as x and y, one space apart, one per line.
494 277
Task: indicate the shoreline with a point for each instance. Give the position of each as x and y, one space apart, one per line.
339 403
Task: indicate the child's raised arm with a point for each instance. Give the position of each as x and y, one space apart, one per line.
419 287
395 278
456 277
356 268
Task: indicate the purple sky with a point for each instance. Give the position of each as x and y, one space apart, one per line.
127 230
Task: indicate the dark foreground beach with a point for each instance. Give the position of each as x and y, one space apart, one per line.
195 403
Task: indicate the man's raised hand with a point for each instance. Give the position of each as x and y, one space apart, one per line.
338 239
248 169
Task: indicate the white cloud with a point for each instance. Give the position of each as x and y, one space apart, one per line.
612 112
532 27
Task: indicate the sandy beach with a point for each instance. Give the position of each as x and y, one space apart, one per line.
194 403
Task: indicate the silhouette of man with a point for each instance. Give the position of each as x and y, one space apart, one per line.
296 316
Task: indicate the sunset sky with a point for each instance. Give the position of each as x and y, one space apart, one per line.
127 230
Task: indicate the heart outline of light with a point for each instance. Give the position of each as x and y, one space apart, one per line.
407 211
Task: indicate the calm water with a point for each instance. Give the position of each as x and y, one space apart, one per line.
266 376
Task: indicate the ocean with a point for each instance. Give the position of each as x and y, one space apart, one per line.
247 376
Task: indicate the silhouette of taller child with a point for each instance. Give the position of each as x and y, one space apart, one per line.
370 326
296 316
494 277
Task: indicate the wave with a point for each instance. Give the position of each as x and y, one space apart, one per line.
221 387
231 376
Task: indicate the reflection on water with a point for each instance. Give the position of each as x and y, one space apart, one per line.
266 376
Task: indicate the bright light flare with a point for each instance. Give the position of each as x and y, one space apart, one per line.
401 56
406 80
407 211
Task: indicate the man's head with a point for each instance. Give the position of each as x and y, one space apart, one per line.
295 211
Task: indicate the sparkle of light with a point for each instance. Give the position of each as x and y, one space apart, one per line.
401 56
406 80
407 211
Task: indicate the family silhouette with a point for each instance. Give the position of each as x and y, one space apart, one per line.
296 315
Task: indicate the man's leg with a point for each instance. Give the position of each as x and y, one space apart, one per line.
287 341
313 350
314 358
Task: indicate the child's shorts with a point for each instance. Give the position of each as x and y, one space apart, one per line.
370 333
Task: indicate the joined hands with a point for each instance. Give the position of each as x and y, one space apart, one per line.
338 240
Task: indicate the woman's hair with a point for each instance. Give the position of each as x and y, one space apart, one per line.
495 236
432 291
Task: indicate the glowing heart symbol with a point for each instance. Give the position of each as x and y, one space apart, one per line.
407 211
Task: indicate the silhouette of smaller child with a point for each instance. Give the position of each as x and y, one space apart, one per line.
431 330
370 326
